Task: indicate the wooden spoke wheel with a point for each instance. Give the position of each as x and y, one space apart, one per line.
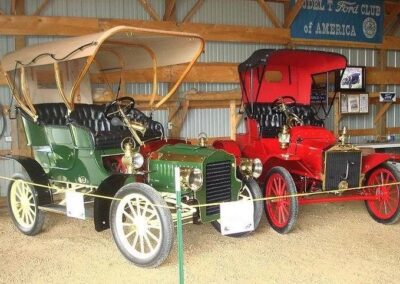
386 208
281 211
141 225
23 206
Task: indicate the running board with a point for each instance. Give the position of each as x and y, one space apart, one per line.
62 209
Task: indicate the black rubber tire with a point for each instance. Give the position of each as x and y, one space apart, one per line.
39 217
294 204
164 214
256 193
396 216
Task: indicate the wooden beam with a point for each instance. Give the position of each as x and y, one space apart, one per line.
234 94
221 73
169 9
41 7
391 19
178 119
293 13
382 111
269 13
150 10
73 26
361 132
386 76
193 11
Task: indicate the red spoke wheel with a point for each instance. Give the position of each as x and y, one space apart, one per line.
386 208
281 212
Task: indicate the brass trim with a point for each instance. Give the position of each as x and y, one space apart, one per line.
25 91
14 90
341 148
60 86
181 158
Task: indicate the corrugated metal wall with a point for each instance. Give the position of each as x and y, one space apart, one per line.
7 168
215 122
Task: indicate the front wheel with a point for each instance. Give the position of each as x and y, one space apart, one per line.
23 206
386 208
141 225
281 209
249 191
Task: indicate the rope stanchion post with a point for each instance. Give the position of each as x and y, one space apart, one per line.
179 232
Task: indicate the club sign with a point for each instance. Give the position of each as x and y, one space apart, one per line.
355 20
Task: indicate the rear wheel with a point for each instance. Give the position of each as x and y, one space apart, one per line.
386 208
141 225
249 191
23 206
281 211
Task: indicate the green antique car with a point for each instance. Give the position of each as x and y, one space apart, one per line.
113 158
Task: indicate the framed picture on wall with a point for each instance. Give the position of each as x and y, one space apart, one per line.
354 103
364 103
343 104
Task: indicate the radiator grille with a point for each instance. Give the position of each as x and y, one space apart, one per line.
218 184
339 165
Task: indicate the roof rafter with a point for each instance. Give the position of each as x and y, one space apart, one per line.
40 9
150 10
193 11
269 13
294 11
169 9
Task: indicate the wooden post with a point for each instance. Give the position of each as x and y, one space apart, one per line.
232 112
19 143
380 119
337 116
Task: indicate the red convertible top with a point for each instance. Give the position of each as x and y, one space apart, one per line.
269 74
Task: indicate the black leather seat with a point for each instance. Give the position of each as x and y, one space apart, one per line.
52 114
271 120
106 135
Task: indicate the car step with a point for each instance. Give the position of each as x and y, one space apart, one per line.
62 209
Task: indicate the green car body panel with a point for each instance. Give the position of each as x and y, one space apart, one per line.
161 169
66 153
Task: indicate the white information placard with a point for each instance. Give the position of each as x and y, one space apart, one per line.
75 205
237 217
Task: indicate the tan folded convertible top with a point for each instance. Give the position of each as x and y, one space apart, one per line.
119 48
169 48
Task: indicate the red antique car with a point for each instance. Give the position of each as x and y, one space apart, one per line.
299 155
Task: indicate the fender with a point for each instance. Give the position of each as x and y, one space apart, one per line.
373 160
101 209
293 164
36 174
229 146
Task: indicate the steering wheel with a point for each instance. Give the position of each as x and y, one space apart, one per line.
126 104
281 105
284 100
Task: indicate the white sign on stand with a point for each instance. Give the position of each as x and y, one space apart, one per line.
75 205
237 217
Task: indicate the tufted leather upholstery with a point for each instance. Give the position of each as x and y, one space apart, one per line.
106 135
271 120
92 118
52 114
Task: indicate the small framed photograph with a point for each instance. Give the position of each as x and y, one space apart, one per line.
343 104
363 103
353 103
